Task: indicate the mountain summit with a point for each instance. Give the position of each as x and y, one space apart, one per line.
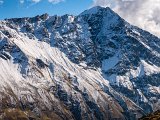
94 66
94 10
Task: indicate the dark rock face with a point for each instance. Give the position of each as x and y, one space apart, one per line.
40 63
5 56
10 51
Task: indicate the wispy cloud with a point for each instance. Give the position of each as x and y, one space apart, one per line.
55 1
21 1
36 1
1 2
142 13
51 1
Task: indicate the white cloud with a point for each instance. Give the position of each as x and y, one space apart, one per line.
142 13
1 2
21 1
55 1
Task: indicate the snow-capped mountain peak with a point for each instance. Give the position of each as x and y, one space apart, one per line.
93 66
93 10
96 9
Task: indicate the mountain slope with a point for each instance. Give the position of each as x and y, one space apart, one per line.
91 66
155 116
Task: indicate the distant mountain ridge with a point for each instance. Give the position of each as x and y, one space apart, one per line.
94 66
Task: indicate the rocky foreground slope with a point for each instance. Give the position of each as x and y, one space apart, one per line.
152 116
94 66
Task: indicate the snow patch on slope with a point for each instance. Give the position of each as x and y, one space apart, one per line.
144 69
35 49
150 69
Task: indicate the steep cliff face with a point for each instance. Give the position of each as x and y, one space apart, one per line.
91 66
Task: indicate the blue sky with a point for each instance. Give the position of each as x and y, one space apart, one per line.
28 8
